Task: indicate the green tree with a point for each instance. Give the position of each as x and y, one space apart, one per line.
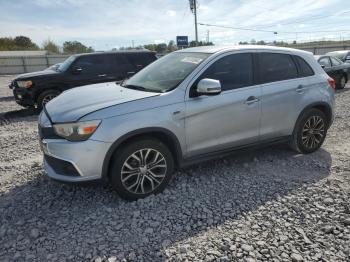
171 46
51 47
7 44
75 47
161 48
25 43
151 47
200 43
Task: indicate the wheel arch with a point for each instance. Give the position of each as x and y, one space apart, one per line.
164 135
322 106
42 90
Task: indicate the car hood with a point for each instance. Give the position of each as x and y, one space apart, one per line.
75 103
37 74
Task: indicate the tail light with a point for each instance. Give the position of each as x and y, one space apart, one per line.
331 82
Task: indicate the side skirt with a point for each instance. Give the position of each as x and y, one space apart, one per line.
230 151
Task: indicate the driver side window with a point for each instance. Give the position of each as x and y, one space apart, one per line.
233 71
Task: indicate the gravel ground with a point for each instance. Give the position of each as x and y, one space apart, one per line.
264 205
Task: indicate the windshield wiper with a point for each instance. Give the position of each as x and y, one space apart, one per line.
140 88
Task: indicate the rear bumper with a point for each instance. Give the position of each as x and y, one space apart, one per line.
74 161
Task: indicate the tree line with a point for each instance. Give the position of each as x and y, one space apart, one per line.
25 43
76 47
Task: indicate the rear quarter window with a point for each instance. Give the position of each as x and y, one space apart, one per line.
303 67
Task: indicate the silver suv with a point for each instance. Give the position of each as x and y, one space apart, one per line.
189 105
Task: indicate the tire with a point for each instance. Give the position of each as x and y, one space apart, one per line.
342 82
310 132
134 178
45 97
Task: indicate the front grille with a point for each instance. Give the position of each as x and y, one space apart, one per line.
61 167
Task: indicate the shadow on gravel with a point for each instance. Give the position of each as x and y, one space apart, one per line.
7 98
343 90
15 115
44 217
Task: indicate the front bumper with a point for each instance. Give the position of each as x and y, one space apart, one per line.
74 161
23 96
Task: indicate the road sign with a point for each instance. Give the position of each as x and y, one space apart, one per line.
182 41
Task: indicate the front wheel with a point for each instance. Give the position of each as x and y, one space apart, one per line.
45 97
141 168
309 132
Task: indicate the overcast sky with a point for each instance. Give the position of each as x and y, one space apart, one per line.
104 24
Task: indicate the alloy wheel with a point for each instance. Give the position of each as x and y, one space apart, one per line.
313 132
143 171
47 98
342 82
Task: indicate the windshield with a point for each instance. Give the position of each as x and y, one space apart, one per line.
65 65
166 73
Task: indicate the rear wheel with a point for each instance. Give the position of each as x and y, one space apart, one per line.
45 97
342 82
309 132
141 168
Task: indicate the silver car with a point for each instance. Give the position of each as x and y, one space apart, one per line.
189 105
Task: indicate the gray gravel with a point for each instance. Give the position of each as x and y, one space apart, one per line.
264 205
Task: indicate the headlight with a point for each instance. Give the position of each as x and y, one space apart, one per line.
25 84
77 131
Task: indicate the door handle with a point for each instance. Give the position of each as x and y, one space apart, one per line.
300 89
103 75
251 100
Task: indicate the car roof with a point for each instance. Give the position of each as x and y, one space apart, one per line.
117 52
216 49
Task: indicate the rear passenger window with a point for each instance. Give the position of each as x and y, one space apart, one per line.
233 71
304 68
91 64
141 60
276 67
335 61
325 62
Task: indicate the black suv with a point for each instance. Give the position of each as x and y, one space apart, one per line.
37 88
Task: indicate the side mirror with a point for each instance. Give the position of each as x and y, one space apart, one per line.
208 87
323 66
76 70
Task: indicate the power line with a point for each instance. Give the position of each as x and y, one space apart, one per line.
238 28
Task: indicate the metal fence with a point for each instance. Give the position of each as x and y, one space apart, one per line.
321 50
10 65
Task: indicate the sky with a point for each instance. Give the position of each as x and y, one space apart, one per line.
107 24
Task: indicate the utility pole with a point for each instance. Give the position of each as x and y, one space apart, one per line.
207 36
132 41
193 7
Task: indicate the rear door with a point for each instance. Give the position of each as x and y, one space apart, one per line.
325 62
119 67
93 69
141 60
337 68
281 90
229 119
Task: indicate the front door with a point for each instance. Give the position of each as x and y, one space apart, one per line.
87 69
229 119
